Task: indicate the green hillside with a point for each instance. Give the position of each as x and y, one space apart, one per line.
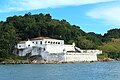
112 46
25 27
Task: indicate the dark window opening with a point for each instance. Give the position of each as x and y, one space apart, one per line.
51 42
44 49
45 41
40 42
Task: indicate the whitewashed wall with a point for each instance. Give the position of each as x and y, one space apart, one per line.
69 47
54 48
72 56
56 57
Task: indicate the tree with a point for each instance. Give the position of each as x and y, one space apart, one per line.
8 38
113 33
85 43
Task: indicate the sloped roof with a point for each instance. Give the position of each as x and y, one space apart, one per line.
41 38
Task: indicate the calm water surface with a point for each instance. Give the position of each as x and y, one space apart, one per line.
78 71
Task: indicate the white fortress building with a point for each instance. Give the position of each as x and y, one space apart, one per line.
55 50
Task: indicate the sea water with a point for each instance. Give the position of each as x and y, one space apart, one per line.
70 71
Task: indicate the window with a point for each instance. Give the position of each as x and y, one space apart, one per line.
58 42
40 42
32 42
45 41
44 49
19 46
51 42
36 42
48 41
29 45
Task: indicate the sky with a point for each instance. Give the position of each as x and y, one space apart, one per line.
97 16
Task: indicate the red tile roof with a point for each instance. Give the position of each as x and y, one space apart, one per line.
41 38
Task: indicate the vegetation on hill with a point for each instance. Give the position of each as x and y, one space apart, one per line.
25 27
112 46
113 33
111 49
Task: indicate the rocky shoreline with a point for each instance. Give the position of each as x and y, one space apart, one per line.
51 62
106 60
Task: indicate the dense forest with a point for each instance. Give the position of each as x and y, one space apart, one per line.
17 28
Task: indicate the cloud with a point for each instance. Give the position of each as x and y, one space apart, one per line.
22 5
108 14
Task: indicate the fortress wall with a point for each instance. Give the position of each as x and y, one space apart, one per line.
72 56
